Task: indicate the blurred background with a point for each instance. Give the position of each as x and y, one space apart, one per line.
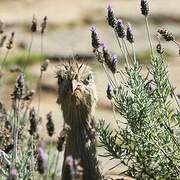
68 34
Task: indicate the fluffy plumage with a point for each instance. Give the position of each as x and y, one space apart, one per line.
77 97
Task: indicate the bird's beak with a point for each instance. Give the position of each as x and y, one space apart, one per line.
74 86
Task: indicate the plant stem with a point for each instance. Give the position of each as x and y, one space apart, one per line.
134 53
32 156
178 44
40 78
4 60
42 45
125 52
175 97
15 130
56 164
121 47
149 35
108 76
48 161
114 114
115 80
39 94
29 52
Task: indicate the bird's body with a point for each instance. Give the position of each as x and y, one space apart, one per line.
77 97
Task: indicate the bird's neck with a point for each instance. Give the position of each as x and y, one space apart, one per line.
74 115
80 143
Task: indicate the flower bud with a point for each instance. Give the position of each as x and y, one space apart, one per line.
120 29
13 174
109 92
94 38
110 17
40 160
129 34
144 7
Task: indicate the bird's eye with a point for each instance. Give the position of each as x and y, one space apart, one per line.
87 80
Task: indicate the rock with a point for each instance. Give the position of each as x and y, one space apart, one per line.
117 177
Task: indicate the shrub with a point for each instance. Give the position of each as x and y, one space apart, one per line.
146 141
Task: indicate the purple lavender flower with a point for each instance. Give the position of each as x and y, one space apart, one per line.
109 92
50 124
20 78
94 38
106 55
41 152
144 7
70 165
40 160
19 87
110 17
113 64
120 29
103 46
13 174
129 34
33 122
70 161
114 59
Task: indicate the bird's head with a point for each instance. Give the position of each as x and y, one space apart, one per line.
76 87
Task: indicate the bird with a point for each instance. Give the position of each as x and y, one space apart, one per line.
77 98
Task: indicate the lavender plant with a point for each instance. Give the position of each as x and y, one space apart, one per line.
147 141
22 153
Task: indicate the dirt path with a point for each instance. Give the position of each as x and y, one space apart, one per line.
61 10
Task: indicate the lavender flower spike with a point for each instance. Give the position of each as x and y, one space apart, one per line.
109 92
106 55
94 38
40 160
103 45
144 7
120 29
110 17
41 153
129 34
113 64
20 78
70 163
13 174
19 88
70 166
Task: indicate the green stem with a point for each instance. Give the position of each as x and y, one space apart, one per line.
39 94
29 53
125 52
4 60
114 114
149 35
32 156
48 161
115 80
175 97
121 47
56 164
108 76
15 130
42 45
134 53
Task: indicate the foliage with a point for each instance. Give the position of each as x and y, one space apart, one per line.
20 59
22 151
148 144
